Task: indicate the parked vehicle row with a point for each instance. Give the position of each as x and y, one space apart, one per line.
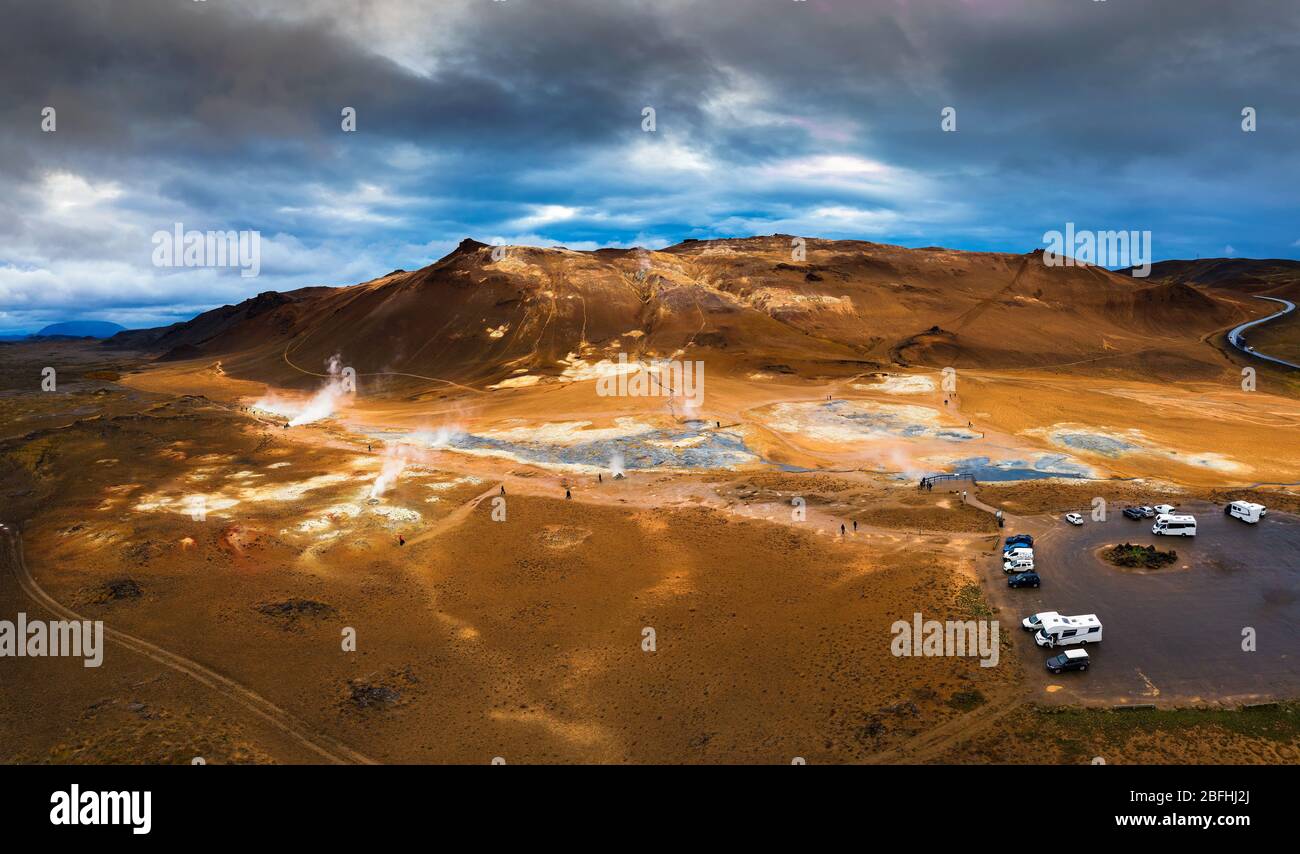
1018 561
1149 512
1169 522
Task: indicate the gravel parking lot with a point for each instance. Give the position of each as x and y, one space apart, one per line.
1173 635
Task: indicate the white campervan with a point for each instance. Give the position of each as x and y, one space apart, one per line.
1034 622
1066 631
1246 511
1174 526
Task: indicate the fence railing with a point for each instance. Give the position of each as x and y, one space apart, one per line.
930 480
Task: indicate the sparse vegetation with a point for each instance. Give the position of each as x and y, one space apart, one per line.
971 602
966 701
1262 734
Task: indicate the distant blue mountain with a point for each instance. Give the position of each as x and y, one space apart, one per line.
82 329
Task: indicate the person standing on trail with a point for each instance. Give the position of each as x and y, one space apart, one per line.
567 495
963 496
855 526
600 478
503 489
401 541
841 529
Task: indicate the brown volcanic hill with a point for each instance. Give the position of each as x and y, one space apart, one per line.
1272 277
1247 274
750 304
228 328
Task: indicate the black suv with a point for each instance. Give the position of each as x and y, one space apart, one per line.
1075 659
1023 579
1134 512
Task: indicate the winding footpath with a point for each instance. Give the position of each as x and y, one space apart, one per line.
329 749
1235 339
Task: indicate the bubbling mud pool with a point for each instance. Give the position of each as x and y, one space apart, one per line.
628 446
857 420
1041 468
912 440
1113 444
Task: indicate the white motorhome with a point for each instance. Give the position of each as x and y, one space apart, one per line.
1067 631
1246 511
1174 526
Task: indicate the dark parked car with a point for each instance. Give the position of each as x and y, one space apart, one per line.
1134 513
1071 659
1023 579
1019 540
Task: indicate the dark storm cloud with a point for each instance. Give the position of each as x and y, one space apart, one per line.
521 120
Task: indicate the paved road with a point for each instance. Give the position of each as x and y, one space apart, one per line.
11 553
1235 339
1174 635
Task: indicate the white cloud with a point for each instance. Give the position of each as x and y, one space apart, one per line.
67 194
840 172
661 154
543 215
359 204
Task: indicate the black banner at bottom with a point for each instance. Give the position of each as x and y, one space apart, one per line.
335 805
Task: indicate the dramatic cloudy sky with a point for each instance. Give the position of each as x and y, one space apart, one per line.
520 121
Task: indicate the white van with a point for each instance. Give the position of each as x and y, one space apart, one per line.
1174 526
1246 511
1019 553
1034 622
1067 631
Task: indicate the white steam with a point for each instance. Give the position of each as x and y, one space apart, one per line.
394 464
322 404
440 437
